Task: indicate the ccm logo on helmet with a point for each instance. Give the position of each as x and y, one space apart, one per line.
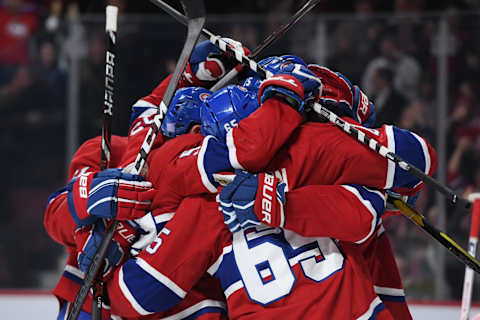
267 196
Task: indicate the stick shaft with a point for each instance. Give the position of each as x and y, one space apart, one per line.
460 253
108 103
268 41
194 27
92 272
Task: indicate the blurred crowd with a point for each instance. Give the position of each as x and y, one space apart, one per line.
392 56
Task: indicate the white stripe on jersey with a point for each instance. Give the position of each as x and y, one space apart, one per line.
163 217
391 164
425 152
232 288
52 199
161 278
370 310
144 104
196 307
232 151
389 291
367 204
75 271
129 296
214 267
201 169
381 229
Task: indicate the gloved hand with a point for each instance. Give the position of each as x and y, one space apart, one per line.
253 199
88 238
147 229
109 194
275 63
348 99
390 209
291 80
208 63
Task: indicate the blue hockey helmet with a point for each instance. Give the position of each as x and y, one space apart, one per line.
184 111
252 84
224 109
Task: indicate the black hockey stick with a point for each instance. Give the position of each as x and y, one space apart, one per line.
108 103
196 19
268 41
349 129
111 38
93 270
417 218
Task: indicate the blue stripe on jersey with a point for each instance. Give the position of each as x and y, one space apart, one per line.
206 310
377 309
372 196
386 297
160 225
215 159
72 277
56 194
137 111
409 149
71 208
227 271
150 294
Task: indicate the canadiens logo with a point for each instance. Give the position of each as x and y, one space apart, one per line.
204 96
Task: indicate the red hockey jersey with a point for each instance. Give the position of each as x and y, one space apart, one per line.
259 269
206 300
317 153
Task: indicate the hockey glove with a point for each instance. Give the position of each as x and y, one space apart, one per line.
208 63
291 81
147 229
391 209
345 98
253 199
88 238
109 194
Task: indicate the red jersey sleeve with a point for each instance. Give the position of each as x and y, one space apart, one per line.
258 137
57 220
344 212
87 157
320 154
173 172
160 277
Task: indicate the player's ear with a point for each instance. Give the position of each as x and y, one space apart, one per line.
195 129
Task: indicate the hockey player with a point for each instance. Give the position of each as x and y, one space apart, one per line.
131 298
205 301
345 174
58 220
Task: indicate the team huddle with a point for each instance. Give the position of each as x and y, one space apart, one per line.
250 206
